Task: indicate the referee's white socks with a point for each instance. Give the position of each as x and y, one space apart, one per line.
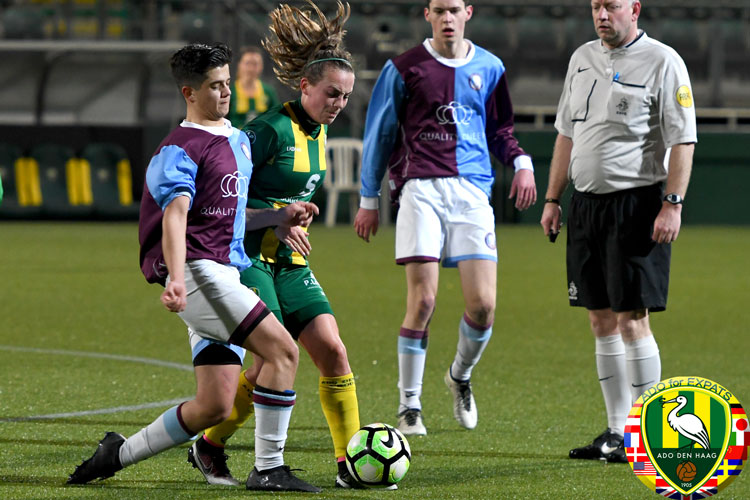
644 364
613 379
626 370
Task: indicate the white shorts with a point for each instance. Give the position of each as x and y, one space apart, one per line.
219 307
444 218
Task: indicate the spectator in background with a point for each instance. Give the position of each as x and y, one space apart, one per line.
626 133
250 95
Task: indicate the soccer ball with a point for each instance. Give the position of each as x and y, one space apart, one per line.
686 471
378 455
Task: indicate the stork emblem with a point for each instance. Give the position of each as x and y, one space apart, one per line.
685 432
687 424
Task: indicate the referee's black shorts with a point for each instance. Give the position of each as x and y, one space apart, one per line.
612 260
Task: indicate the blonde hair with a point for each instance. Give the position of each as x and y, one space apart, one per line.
297 41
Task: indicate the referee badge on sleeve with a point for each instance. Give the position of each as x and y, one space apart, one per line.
684 97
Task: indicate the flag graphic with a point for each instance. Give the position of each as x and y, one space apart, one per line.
633 432
740 431
644 468
729 467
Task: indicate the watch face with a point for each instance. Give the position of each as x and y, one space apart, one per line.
673 198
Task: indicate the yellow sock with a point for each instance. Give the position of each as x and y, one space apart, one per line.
338 397
219 434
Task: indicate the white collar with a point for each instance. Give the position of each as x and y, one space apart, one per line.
224 130
454 63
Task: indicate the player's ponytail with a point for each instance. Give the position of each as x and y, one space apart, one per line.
301 46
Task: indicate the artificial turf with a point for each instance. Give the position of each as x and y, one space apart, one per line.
77 316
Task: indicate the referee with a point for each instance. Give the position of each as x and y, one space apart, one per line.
626 135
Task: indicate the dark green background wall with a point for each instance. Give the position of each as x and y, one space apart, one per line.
718 191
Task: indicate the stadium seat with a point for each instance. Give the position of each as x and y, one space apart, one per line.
579 29
390 34
736 47
344 161
23 21
492 33
357 39
197 26
111 180
541 43
254 28
84 23
28 186
118 19
64 180
688 38
21 197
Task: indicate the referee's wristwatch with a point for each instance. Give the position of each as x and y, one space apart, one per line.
673 198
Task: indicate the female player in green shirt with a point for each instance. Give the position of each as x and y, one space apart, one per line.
288 151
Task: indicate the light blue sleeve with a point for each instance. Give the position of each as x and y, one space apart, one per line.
381 127
171 173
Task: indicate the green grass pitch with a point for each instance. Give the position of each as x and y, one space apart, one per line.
73 294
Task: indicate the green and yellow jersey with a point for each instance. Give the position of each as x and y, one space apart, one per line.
245 107
289 164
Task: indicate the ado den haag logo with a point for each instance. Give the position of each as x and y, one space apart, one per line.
687 438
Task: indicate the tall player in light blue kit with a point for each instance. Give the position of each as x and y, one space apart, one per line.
435 115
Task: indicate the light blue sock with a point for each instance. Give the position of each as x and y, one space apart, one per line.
163 433
472 340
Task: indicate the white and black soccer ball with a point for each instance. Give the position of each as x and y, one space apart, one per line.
378 455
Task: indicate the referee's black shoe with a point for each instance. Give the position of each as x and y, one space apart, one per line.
608 446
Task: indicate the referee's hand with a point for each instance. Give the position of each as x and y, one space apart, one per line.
551 220
667 223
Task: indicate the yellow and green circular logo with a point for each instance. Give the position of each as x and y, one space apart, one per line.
684 97
687 438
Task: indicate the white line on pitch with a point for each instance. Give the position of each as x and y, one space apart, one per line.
102 411
100 355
